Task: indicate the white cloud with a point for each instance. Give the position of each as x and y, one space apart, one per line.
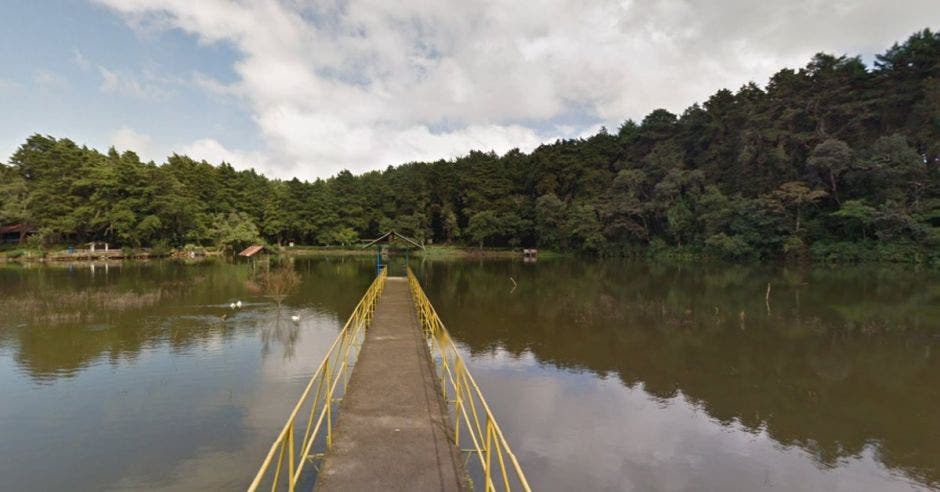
210 150
126 138
358 84
79 59
215 87
124 83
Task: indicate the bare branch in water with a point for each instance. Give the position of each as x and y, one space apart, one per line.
278 283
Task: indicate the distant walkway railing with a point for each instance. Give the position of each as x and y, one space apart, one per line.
474 423
325 389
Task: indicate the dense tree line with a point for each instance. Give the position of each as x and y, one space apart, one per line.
836 159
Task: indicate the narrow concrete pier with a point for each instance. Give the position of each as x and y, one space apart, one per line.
393 430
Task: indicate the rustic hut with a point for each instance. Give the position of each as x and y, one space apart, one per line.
15 233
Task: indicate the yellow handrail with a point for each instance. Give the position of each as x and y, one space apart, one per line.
467 404
321 393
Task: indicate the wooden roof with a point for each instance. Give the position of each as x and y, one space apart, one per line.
18 228
390 235
252 250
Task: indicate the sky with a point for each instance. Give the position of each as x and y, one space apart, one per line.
296 88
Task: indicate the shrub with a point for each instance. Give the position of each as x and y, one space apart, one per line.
870 251
160 248
729 247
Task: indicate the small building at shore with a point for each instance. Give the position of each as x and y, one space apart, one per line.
15 233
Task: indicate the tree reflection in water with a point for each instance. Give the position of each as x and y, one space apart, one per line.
842 360
842 364
60 319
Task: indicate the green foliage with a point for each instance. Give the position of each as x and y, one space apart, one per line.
450 225
190 248
679 221
484 226
796 195
831 154
728 247
833 158
550 214
160 248
871 251
794 246
345 236
659 249
584 229
857 215
40 240
234 231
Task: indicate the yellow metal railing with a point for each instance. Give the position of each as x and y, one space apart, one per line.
474 423
326 388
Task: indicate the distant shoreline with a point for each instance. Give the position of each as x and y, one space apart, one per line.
430 252
437 252
433 252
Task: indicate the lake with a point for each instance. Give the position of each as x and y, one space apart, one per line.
604 375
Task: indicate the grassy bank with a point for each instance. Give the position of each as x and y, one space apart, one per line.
432 252
63 254
326 251
822 253
462 252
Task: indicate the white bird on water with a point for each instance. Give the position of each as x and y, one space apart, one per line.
238 304
232 305
295 318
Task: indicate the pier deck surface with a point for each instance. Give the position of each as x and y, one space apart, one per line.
393 430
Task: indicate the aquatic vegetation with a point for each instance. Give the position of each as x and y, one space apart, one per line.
277 282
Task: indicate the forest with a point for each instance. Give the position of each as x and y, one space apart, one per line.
835 161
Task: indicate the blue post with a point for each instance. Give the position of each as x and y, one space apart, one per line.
378 260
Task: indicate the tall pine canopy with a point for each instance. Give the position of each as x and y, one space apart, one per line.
835 160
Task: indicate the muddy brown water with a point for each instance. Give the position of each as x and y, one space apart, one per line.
604 375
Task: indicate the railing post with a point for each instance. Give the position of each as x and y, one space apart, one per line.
348 340
280 465
329 405
458 402
290 457
488 452
453 374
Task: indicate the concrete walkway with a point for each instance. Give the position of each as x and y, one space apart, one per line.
392 432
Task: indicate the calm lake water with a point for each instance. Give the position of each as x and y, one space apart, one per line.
604 375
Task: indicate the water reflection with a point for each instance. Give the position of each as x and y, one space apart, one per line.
144 377
837 364
605 375
61 319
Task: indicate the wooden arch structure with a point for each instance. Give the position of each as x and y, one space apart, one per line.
390 238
